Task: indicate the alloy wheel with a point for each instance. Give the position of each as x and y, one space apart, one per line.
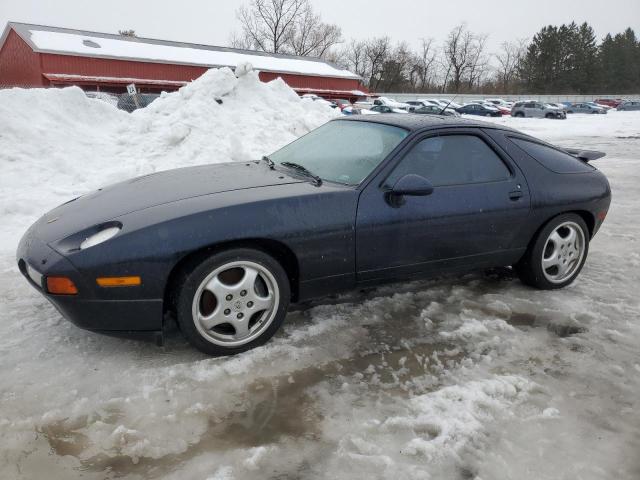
563 252
235 303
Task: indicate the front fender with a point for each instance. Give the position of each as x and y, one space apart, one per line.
316 224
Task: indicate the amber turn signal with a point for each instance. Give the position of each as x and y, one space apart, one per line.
118 281
61 286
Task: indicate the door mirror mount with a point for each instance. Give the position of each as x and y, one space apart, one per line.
409 185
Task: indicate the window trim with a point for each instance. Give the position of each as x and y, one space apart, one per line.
383 185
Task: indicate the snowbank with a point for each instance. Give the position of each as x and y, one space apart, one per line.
61 144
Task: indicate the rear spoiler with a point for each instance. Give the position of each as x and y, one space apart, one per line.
584 155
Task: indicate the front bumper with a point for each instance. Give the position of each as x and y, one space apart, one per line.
87 309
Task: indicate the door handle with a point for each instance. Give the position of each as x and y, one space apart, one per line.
515 194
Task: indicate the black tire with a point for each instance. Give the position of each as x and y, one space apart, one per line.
550 115
519 115
530 269
197 271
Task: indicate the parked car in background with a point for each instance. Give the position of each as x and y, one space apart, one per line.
504 110
559 105
609 102
479 109
342 103
534 109
318 98
420 103
129 103
629 105
584 107
363 104
390 102
434 110
431 103
499 102
352 110
450 103
434 101
387 109
606 107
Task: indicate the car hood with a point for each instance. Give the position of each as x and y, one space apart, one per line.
155 189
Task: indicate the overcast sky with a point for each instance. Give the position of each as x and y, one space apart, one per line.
212 21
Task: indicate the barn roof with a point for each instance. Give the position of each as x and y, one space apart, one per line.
65 41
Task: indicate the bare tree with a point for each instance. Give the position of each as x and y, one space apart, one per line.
478 61
284 26
377 51
458 51
424 68
395 72
354 57
311 36
268 25
509 59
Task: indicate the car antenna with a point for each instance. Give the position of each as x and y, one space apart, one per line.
447 105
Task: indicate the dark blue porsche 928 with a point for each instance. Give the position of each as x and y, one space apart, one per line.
358 201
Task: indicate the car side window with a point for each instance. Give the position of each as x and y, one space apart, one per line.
451 160
551 158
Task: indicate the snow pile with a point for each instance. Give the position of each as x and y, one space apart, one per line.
62 144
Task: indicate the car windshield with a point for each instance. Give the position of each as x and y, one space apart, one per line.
342 151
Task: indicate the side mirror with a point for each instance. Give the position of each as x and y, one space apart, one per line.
409 185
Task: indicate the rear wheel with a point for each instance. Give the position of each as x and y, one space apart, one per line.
519 115
557 253
233 301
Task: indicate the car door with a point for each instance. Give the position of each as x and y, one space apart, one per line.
475 109
470 220
529 109
538 110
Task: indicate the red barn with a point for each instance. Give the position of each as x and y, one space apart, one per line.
40 56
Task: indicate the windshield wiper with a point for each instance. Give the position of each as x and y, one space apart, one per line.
269 162
303 170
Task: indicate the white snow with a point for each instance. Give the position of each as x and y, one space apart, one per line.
76 43
476 377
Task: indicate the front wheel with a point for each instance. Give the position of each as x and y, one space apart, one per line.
232 301
557 253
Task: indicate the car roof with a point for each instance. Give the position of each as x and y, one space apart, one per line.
421 122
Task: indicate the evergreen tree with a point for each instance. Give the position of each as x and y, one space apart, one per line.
567 59
622 61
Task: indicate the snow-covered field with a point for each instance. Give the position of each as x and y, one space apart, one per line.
476 377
